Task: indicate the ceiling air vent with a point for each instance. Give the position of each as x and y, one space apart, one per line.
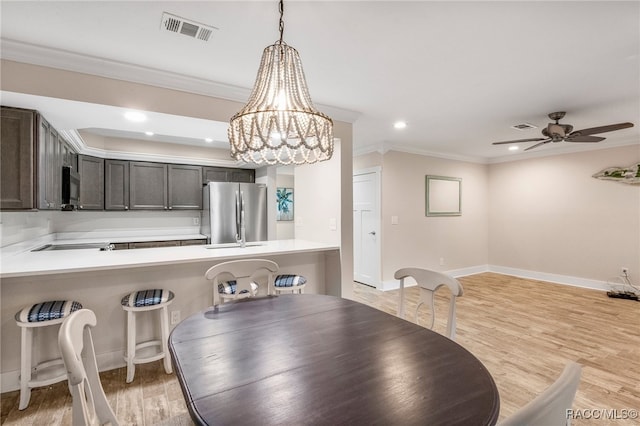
524 126
176 24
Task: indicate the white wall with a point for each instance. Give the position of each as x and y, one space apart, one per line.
421 241
544 217
317 200
549 215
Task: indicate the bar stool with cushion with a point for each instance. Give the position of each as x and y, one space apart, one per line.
48 372
289 282
236 279
142 301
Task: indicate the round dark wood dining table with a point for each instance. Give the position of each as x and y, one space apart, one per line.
323 360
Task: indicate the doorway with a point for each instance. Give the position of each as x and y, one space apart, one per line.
366 226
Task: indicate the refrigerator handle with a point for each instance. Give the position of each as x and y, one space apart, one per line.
240 227
237 215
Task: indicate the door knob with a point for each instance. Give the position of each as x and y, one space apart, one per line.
372 233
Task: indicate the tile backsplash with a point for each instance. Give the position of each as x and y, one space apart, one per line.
20 226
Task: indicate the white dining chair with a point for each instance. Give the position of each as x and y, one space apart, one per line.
90 404
550 408
429 281
236 279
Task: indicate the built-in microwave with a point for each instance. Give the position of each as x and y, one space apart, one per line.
70 188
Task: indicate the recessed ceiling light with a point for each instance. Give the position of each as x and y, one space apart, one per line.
208 140
148 133
400 124
513 148
136 116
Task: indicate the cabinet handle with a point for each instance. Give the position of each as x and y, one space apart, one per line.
170 207
165 207
126 207
81 207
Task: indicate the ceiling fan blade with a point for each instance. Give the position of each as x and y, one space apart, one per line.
601 129
519 140
584 139
538 144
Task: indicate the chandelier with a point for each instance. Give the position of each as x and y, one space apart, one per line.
279 124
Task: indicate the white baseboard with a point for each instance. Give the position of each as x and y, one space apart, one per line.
522 273
553 278
10 380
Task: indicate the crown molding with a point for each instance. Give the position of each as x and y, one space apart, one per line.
567 149
386 147
76 141
34 54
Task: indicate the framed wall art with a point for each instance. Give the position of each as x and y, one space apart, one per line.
285 203
443 196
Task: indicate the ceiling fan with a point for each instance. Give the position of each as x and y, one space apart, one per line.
556 132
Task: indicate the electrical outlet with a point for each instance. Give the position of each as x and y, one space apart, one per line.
625 271
175 317
196 221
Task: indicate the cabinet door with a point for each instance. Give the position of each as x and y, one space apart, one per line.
154 244
226 174
148 186
215 174
49 167
91 171
116 185
196 242
17 156
243 175
185 187
69 156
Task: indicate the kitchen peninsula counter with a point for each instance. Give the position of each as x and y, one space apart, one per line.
22 263
99 279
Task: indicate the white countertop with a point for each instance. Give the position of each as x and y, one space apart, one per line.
19 261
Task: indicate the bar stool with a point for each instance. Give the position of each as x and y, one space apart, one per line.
29 319
290 282
141 301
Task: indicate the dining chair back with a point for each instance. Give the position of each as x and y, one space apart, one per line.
236 279
429 281
551 407
90 404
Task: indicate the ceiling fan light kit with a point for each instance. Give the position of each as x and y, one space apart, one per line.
556 132
279 124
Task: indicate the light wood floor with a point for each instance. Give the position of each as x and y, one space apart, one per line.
523 331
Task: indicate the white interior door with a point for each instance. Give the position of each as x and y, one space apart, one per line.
366 227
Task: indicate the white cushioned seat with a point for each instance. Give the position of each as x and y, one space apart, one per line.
141 298
139 301
289 282
229 287
35 373
47 311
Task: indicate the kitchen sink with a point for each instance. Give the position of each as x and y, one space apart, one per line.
234 245
100 246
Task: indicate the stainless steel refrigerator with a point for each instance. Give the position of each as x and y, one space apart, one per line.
225 204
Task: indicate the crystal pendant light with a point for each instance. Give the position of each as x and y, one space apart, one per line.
279 124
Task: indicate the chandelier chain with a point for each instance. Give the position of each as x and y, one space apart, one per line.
281 24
